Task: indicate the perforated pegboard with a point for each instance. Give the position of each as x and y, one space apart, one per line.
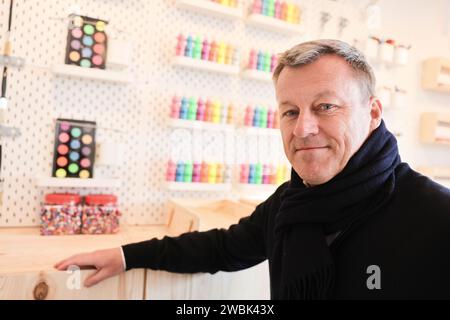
134 114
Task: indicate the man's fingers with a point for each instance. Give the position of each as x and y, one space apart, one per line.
78 260
96 277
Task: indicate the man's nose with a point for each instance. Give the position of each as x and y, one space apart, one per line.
306 125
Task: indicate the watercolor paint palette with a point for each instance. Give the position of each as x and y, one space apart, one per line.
86 42
74 151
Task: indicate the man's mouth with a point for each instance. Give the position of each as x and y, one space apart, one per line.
309 148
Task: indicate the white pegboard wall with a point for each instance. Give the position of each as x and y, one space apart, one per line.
137 111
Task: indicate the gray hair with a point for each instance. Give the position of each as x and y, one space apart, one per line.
308 52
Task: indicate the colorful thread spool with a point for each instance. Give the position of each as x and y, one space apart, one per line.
196 48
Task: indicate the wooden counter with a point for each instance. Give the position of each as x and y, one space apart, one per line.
27 259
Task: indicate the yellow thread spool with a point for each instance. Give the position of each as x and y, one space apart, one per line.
219 176
212 173
216 111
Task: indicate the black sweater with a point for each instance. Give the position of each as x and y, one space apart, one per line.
409 241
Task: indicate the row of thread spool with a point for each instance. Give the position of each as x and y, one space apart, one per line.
215 51
262 61
213 110
204 172
208 110
281 10
261 117
258 173
224 53
227 3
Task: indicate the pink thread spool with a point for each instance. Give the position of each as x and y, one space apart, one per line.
206 48
175 108
248 120
273 62
181 45
244 173
257 6
171 169
278 9
266 174
270 118
196 174
201 110
252 60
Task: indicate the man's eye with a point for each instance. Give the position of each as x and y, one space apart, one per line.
326 106
290 113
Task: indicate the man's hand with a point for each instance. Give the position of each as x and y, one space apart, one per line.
107 262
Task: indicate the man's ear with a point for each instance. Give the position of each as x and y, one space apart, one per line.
376 112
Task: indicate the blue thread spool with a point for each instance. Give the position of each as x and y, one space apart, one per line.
189 50
260 61
251 174
256 117
184 108
179 175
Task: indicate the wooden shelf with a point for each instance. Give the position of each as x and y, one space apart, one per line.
197 186
211 8
436 75
205 65
208 214
91 73
257 75
77 183
199 125
274 24
435 128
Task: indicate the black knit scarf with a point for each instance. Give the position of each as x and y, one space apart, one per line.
301 258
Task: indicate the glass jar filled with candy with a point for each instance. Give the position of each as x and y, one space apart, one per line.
61 214
100 214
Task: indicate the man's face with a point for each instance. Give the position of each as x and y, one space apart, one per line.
324 117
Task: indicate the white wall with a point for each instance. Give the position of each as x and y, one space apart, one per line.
425 25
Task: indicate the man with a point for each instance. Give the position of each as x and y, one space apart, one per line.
352 223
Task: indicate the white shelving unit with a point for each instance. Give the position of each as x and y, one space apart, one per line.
197 186
199 125
261 131
274 24
257 75
211 8
260 189
77 183
91 73
205 65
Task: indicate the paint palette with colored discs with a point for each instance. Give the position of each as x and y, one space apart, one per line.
74 152
86 42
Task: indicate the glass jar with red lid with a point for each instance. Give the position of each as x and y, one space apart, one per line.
100 214
61 214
